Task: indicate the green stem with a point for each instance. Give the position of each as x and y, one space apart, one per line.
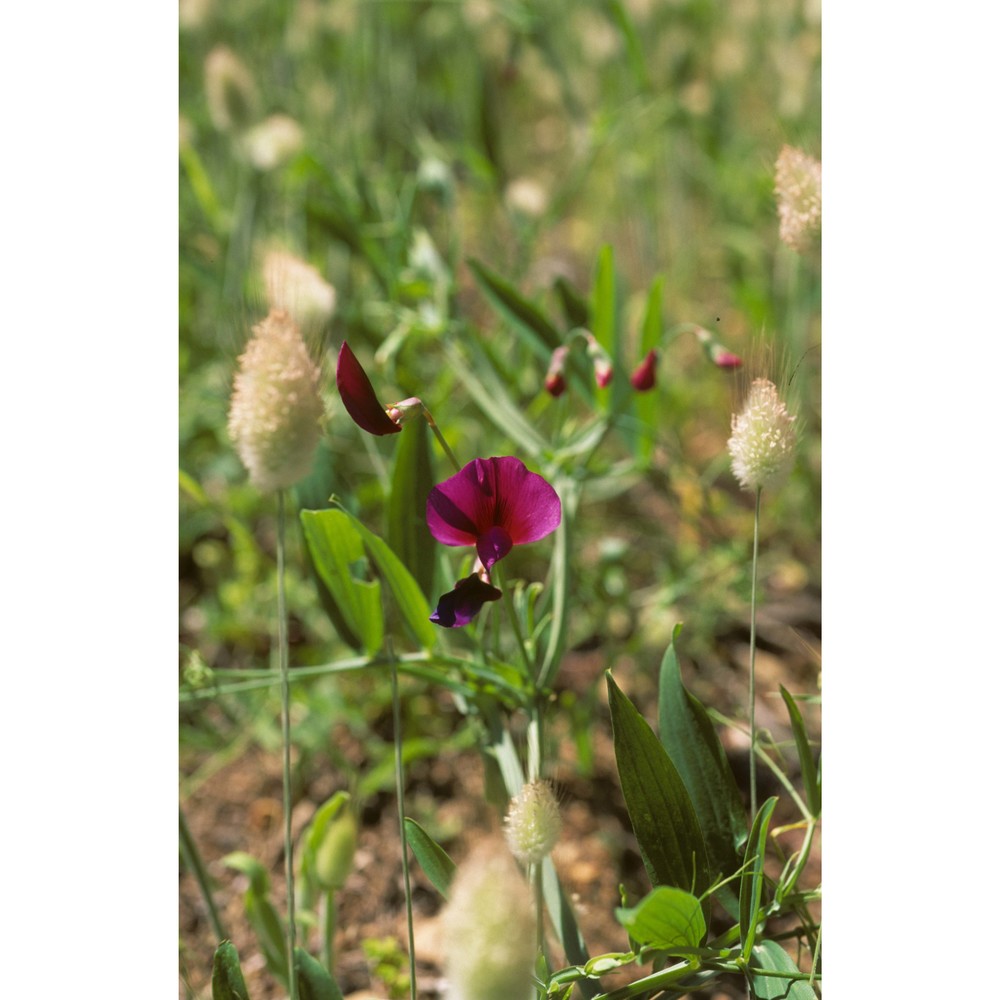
398 742
192 858
441 441
286 767
753 658
539 909
329 927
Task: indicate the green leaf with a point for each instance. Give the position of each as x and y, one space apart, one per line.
575 307
769 956
260 911
405 591
663 818
810 778
406 511
227 978
688 736
665 919
752 879
336 547
604 314
313 981
512 304
434 860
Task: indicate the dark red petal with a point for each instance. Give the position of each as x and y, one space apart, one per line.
459 606
359 397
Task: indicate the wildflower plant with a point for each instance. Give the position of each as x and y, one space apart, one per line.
453 573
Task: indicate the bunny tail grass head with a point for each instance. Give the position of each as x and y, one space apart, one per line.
532 825
276 408
762 445
489 926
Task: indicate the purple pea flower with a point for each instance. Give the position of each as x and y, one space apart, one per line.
493 504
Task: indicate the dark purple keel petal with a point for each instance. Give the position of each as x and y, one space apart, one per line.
493 545
459 606
359 397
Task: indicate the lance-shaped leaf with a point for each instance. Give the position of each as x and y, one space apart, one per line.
511 303
336 549
433 858
752 879
260 911
810 777
772 975
690 739
312 979
663 818
412 480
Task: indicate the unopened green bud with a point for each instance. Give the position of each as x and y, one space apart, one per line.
335 852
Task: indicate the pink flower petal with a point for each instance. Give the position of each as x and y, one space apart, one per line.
359 397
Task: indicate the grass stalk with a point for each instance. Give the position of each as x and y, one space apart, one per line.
192 858
398 744
753 657
286 742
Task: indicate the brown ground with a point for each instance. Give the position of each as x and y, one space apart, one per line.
239 808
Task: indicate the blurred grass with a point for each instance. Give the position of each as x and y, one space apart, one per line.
526 136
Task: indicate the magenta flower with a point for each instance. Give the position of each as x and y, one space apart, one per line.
359 397
493 504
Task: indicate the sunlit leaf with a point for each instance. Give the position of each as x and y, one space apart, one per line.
406 510
664 919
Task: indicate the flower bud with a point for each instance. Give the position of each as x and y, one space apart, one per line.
602 363
532 824
644 377
716 353
335 852
405 410
555 377
489 926
763 442
276 409
229 91
798 186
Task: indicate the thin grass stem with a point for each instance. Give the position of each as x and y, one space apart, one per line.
286 741
398 744
753 657
192 858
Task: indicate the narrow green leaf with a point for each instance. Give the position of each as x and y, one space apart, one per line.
405 591
260 911
807 762
752 879
664 919
688 736
227 978
512 304
406 510
433 858
335 547
575 307
603 303
663 818
313 981
769 956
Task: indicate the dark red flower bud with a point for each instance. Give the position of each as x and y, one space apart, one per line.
644 377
